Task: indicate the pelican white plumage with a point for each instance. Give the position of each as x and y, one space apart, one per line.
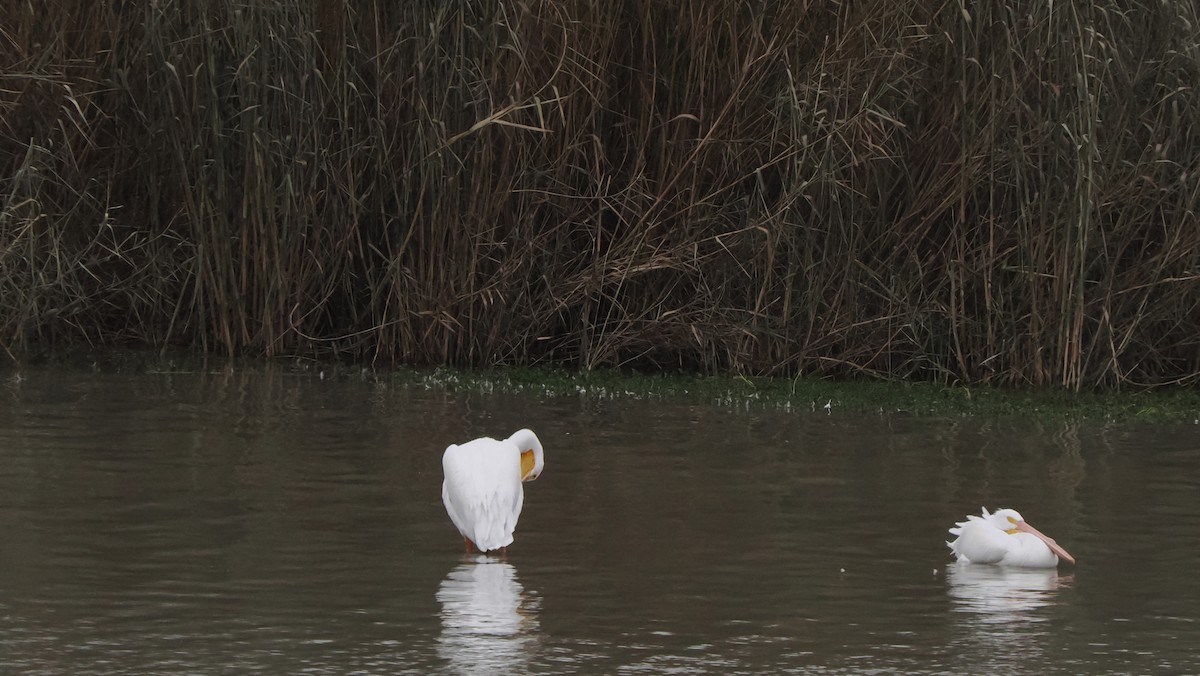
482 488
1004 538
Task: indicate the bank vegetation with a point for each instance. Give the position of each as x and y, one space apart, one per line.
1000 193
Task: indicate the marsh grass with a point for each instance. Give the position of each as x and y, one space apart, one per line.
999 193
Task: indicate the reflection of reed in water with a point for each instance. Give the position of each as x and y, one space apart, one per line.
1000 608
488 624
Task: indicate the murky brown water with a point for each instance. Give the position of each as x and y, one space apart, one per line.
287 524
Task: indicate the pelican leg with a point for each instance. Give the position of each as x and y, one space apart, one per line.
470 545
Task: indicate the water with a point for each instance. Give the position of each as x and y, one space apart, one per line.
275 523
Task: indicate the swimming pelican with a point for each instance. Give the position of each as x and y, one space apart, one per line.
1004 538
482 489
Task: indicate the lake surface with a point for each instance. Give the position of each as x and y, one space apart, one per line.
279 523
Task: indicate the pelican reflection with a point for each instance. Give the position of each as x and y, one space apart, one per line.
1001 611
489 623
1003 595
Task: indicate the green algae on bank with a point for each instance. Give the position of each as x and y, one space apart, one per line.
881 397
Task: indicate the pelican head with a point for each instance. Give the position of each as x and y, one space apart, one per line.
1006 519
532 459
1017 524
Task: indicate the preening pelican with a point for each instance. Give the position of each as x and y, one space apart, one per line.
1005 539
482 487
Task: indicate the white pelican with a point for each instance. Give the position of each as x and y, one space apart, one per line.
482 489
1004 538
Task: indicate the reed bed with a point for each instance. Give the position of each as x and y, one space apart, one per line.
1001 193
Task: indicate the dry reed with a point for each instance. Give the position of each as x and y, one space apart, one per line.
997 193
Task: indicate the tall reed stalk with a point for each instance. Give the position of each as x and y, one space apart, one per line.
995 193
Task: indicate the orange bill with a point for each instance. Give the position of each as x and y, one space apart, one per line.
1062 553
527 463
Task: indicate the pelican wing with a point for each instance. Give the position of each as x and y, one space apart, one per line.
1028 551
978 541
482 491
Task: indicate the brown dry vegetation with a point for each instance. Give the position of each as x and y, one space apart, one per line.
1000 192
